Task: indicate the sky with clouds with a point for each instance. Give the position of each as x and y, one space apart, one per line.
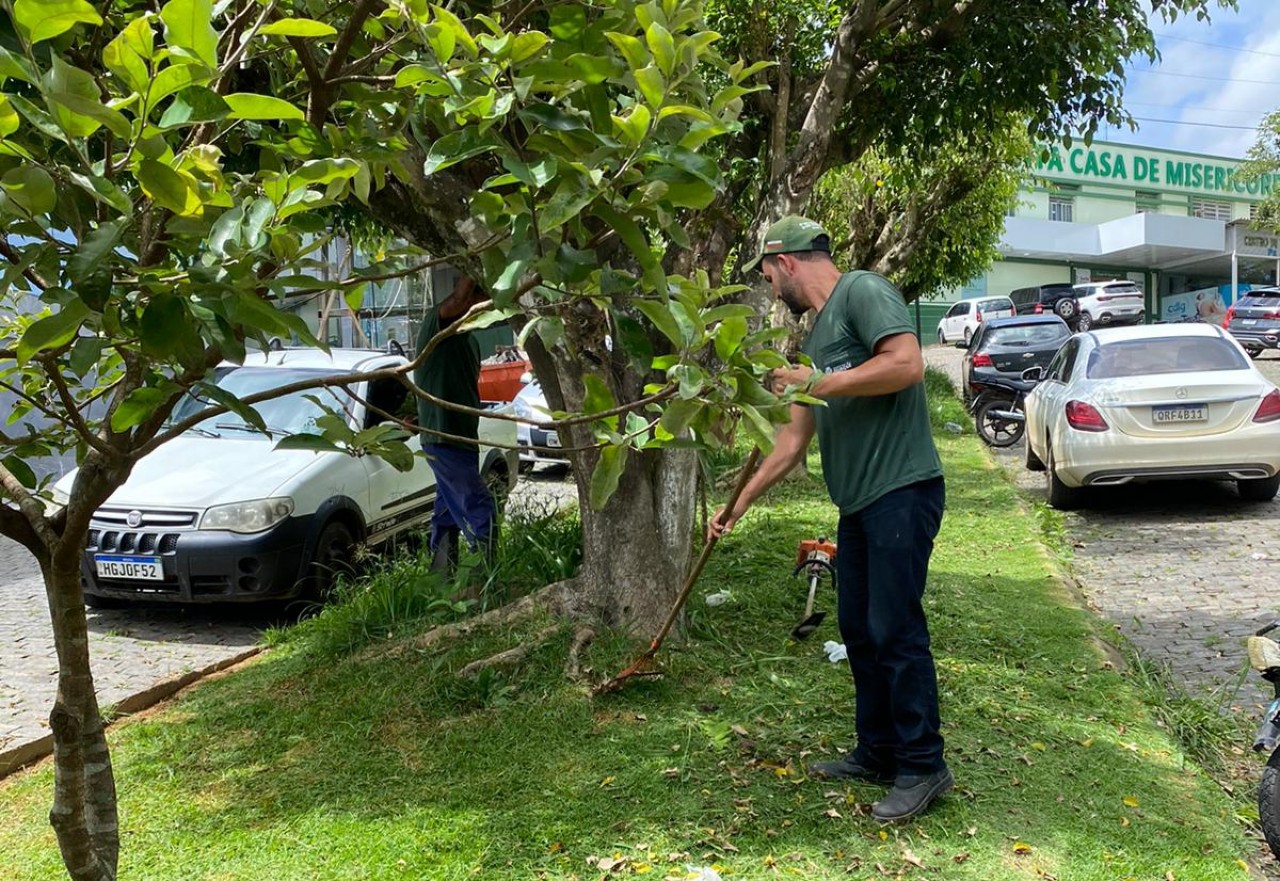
1212 85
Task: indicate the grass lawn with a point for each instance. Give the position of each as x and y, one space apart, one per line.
319 762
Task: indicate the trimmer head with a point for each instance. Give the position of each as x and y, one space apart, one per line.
814 558
808 625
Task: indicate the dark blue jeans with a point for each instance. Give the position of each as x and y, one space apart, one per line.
463 502
882 564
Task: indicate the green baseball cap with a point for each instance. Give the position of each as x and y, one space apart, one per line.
791 234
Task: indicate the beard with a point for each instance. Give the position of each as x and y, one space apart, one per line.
790 297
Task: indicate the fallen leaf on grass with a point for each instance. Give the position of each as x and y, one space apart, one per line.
960 857
1021 848
833 814
1130 801
911 858
608 781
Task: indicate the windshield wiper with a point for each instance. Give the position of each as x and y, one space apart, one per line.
203 432
242 426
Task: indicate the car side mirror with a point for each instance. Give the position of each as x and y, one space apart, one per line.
962 345
1033 374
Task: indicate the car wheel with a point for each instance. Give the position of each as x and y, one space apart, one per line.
942 337
1061 496
1262 489
332 559
1084 322
1033 462
1253 352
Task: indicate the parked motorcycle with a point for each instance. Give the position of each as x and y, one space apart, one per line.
1264 656
998 412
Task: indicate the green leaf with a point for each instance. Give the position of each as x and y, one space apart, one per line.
258 216
635 125
52 331
298 27
354 296
631 336
634 238
568 21
453 148
16 67
121 59
85 354
759 428
193 105
323 171
31 188
662 46
103 190
652 86
20 470
631 48
313 442
221 396
662 319
137 407
598 396
690 378
678 415
247 105
729 335
527 45
94 248
448 20
9 121
45 19
75 102
168 188
175 78
188 30
604 478
592 69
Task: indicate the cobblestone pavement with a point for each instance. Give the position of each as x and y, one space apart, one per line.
133 649
1185 570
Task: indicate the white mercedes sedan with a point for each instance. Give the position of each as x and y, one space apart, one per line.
1155 402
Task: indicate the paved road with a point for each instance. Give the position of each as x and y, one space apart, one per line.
133 649
1185 570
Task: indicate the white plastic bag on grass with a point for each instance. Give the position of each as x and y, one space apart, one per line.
836 651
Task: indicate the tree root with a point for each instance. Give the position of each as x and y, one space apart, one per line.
554 600
582 638
510 656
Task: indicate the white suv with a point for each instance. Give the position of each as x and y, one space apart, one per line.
1109 303
220 515
962 319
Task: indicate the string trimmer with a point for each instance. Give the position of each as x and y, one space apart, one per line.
644 665
816 558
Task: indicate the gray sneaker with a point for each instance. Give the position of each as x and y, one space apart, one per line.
912 795
848 769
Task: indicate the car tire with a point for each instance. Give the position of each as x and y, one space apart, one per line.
1262 489
1066 308
1032 461
1084 322
1253 352
332 558
942 337
1060 496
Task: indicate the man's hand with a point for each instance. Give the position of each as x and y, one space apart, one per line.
721 524
792 375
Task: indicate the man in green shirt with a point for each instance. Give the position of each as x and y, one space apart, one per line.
450 439
884 475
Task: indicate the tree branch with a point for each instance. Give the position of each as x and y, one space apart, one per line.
6 250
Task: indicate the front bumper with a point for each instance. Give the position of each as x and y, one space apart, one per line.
530 436
201 566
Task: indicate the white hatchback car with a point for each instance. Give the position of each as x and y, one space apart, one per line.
1109 303
961 321
1153 402
219 515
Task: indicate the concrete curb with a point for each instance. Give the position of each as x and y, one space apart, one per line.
17 757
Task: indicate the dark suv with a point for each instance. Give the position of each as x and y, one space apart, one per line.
1254 320
1055 299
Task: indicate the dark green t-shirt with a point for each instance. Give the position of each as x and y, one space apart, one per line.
452 373
870 445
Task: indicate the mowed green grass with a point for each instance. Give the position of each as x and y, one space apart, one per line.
316 763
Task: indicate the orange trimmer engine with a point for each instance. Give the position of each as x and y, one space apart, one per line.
816 558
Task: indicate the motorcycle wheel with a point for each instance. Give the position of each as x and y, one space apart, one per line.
1269 803
992 429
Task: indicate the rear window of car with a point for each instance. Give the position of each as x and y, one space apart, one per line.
1027 335
1120 289
1163 355
994 305
1260 302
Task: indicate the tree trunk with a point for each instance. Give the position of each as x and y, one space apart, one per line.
84 803
636 551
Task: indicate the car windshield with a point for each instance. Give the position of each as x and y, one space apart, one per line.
291 414
1026 335
1163 355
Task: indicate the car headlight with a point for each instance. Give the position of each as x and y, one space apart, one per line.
522 408
60 497
252 516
